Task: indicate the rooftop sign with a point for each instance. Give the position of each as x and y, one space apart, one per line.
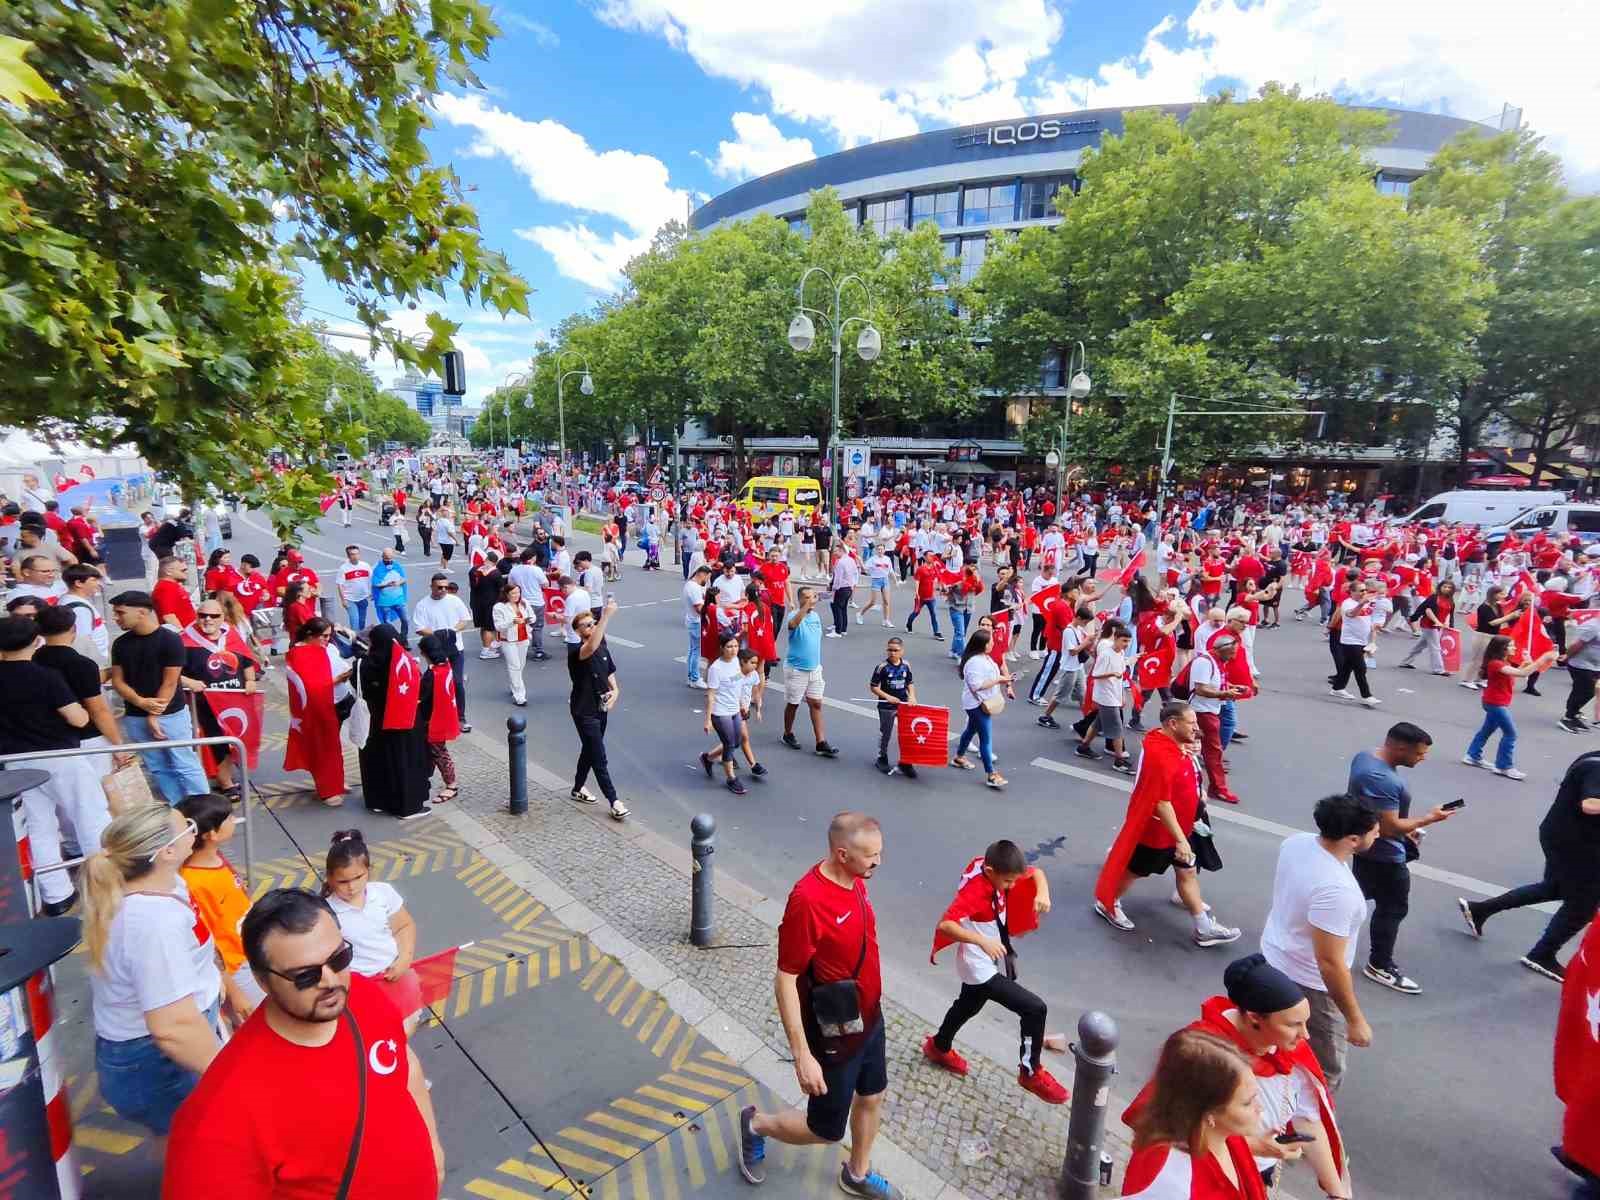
1033 130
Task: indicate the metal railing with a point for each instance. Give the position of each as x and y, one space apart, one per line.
241 759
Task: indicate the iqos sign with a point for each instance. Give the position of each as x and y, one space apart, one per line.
1025 131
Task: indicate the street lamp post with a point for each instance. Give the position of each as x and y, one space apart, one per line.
802 333
1078 387
586 386
333 404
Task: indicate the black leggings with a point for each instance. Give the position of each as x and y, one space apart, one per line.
1009 994
592 735
1036 637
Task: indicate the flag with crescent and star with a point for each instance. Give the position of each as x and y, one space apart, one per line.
1577 1054
1450 649
405 691
313 743
924 731
240 714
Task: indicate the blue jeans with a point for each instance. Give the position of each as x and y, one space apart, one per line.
1496 716
982 724
932 609
140 1083
355 614
177 771
693 657
1229 722
958 630
394 614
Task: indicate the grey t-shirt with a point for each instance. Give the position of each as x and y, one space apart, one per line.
1375 780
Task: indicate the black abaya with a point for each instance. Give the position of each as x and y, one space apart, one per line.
394 763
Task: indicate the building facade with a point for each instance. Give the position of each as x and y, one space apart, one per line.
981 179
427 396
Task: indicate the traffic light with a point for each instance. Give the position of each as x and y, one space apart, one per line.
455 373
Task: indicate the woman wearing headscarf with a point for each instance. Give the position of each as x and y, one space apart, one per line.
1264 1017
319 700
394 762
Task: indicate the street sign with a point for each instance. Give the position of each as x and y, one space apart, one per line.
658 494
857 458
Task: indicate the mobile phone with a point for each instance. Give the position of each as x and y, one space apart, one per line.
1458 802
1290 1139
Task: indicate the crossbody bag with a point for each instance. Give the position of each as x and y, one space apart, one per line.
836 1006
361 1108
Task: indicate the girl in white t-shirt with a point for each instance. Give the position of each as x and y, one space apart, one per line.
752 691
375 921
724 696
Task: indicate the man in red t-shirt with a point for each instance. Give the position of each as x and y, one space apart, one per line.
829 934
171 593
276 1110
775 572
927 575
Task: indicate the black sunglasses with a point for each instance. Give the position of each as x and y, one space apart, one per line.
306 978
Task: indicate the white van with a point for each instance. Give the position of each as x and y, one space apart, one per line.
1557 520
1479 506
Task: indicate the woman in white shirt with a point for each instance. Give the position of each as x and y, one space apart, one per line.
981 681
515 620
725 685
153 975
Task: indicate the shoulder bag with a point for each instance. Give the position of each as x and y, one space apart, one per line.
361 1109
836 1006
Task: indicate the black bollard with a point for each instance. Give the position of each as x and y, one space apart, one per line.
1096 1055
702 845
517 753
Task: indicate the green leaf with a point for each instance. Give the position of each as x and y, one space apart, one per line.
20 83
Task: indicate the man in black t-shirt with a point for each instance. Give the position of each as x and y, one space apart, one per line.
594 694
41 714
1569 835
146 665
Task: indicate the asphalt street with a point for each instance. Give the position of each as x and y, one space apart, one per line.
1453 1098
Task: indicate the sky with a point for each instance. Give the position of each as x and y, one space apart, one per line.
600 120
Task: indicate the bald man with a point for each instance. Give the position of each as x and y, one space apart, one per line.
830 991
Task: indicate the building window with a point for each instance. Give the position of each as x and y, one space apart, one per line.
938 207
1394 185
799 224
1054 371
973 250
989 205
1038 196
884 215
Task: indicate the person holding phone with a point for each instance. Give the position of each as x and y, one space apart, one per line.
594 694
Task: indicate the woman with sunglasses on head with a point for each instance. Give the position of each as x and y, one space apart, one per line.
153 972
216 658
375 921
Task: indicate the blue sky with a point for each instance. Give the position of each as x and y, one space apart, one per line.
601 119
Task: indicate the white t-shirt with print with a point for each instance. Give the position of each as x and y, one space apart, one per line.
367 928
726 681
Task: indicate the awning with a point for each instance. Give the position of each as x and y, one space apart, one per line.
1505 481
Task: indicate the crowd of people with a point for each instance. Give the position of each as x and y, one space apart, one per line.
1095 606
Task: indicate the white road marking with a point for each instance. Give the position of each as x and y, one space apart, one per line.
622 641
1233 816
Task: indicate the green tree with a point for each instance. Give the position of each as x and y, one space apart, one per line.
196 153
1241 256
1536 360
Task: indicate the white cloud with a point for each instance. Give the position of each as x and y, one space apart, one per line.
1431 54
542 33
866 71
582 254
758 148
491 346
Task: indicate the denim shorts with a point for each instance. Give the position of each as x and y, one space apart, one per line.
140 1083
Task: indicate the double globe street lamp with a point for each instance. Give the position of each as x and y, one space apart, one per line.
1078 388
585 386
803 333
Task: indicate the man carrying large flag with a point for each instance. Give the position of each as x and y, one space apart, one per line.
1161 819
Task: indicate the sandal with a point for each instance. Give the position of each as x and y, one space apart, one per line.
333 801
446 794
962 764
996 781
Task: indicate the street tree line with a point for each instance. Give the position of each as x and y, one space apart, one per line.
1242 256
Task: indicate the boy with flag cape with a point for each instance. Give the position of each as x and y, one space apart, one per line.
999 895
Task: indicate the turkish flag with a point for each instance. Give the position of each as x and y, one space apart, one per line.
1155 669
555 606
924 731
1450 648
1135 565
313 725
328 501
1528 637
241 715
435 974
763 637
444 722
1043 596
1577 1054
405 691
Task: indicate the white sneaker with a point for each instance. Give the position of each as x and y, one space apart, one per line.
860 620
1371 701
1034 654
1114 917
1342 693
1511 773
888 624
1474 762
1211 933
833 634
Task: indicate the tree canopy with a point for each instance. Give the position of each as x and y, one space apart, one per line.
167 167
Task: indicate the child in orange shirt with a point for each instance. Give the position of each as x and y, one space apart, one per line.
220 898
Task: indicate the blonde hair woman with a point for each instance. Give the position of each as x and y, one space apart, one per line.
153 973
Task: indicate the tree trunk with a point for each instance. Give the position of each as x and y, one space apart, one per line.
1466 432
740 467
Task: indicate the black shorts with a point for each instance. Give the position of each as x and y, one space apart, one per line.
447 551
1147 860
866 1073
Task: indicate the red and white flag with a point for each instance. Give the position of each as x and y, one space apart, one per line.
436 973
1043 596
924 731
1450 649
1577 1054
405 691
555 606
328 501
1528 636
444 722
1154 669
240 714
313 725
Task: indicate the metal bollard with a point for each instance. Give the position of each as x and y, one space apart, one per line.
517 751
702 845
1096 1055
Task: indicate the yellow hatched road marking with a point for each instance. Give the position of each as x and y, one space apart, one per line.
643 1132
715 1090
517 909
488 986
691 1159
668 1171
618 971
554 962
532 964
621 1150
718 1057
641 1185
685 1047
715 1073
638 1007
533 1174
667 1035
627 1104
574 1160
495 1191
719 1148
649 1025
594 973
608 1187
107 1141
511 978
676 1099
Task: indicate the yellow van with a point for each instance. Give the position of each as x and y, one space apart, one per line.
774 493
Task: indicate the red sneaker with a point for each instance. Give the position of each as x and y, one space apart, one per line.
1043 1085
1225 797
948 1059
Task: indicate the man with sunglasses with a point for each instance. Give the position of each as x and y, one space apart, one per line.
443 610
322 1031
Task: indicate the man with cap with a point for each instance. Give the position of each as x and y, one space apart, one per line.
1264 1016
